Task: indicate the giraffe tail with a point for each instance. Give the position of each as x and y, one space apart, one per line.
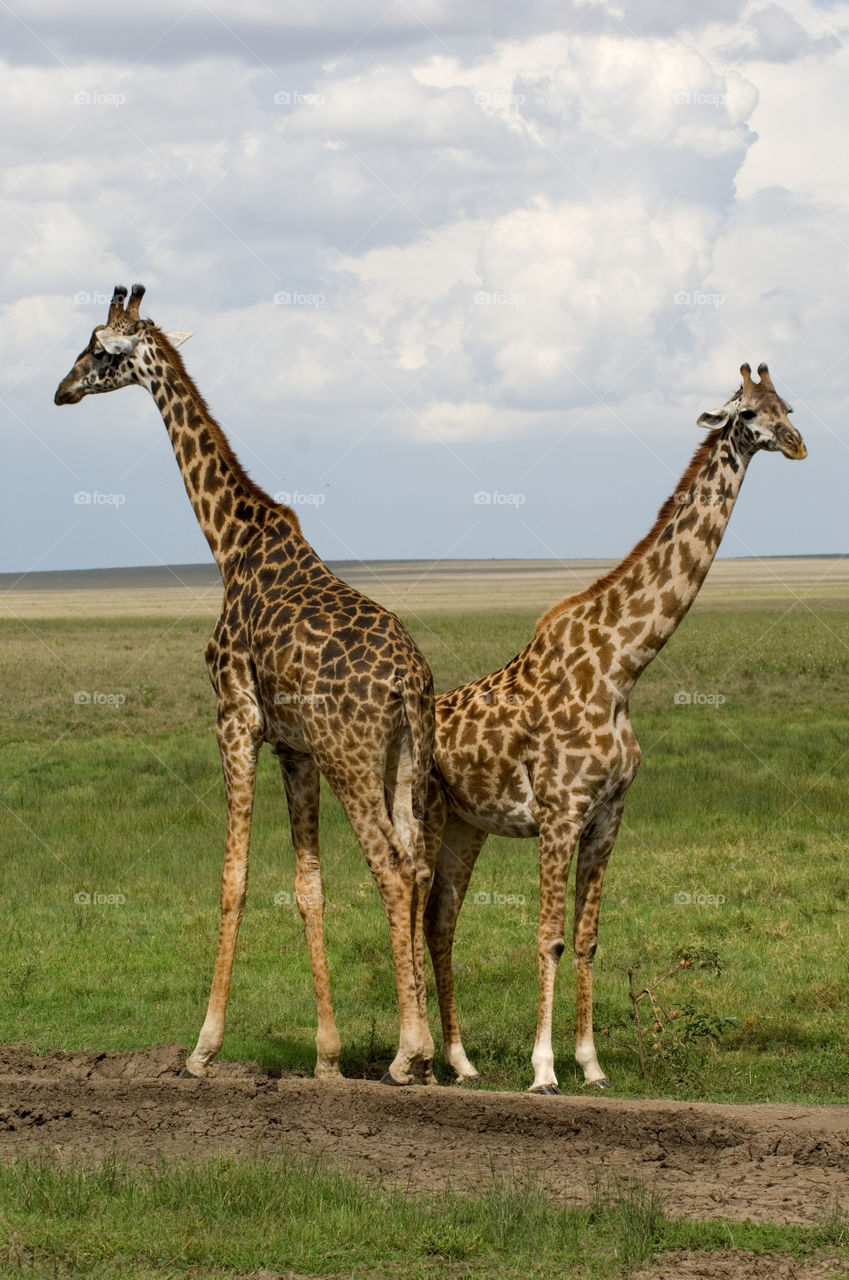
415 751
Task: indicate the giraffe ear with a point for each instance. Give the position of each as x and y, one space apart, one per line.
713 418
178 337
117 344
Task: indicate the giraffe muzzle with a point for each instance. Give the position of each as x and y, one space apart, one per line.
792 445
66 395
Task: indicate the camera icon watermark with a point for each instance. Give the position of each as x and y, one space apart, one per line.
495 498
98 899
685 899
684 698
93 498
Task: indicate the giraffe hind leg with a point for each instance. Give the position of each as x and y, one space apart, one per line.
302 783
557 839
459 845
394 872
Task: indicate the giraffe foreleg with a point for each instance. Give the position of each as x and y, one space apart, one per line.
459 847
238 741
596 845
302 782
557 840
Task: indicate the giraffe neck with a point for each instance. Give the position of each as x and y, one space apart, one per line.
628 615
229 507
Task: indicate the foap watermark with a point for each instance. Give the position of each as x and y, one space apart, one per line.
683 898
499 99
495 298
93 498
485 898
494 498
704 498
698 298
299 700
293 498
684 98
97 899
494 698
82 698
303 901
684 698
298 298
97 98
297 98
82 298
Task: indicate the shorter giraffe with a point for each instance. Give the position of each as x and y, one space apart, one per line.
300 660
544 747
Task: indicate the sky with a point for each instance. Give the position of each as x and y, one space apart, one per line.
460 278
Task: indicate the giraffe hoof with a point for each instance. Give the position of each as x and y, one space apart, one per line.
603 1083
388 1078
549 1090
186 1074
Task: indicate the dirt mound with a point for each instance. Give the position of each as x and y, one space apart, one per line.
769 1163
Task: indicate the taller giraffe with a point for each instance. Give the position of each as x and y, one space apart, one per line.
545 745
302 661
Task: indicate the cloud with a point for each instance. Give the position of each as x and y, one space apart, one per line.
772 34
416 231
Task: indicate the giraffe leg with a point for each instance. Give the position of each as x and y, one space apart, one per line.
301 780
557 839
459 847
595 847
239 743
395 872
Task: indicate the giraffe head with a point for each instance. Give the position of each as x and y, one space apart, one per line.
757 417
116 351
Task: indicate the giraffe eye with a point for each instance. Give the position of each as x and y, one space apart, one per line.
748 414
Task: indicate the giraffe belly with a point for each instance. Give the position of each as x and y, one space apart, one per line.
507 811
514 823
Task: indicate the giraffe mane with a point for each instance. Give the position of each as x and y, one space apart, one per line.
667 510
172 356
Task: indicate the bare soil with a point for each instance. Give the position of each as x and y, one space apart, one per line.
778 1163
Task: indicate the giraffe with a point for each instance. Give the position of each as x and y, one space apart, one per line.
544 747
302 661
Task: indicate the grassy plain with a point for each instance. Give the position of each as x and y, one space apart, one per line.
740 804
224 1218
733 849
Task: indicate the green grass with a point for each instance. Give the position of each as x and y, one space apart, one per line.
745 801
223 1217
